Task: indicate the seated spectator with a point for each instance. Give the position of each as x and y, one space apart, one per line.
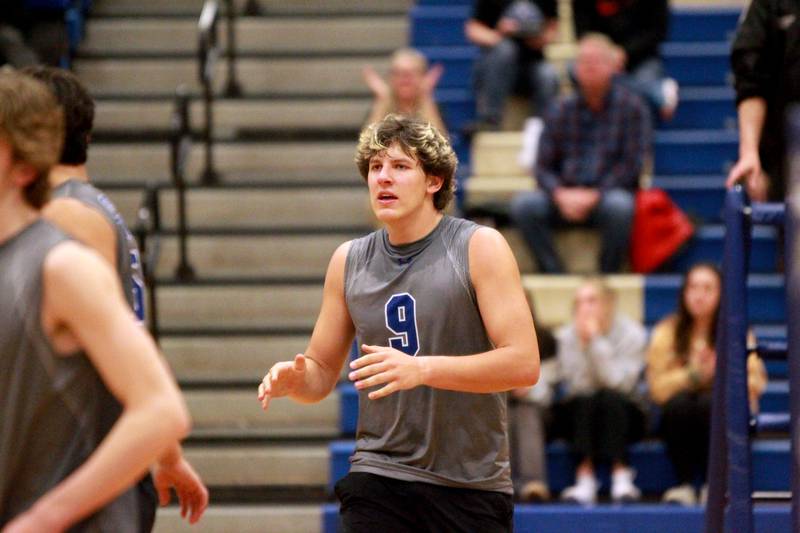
527 416
638 27
601 356
409 90
681 363
512 36
590 156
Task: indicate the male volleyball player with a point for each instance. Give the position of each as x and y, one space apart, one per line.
444 329
84 212
69 345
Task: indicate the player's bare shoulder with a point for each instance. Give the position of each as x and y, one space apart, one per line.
489 252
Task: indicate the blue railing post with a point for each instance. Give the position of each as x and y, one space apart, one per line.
730 472
792 269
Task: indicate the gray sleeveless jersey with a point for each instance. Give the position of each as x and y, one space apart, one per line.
419 299
129 263
52 406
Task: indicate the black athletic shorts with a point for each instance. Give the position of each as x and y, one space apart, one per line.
372 503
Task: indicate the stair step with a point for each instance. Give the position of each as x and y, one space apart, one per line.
244 519
284 75
290 208
234 117
253 256
229 358
239 307
254 35
253 465
113 163
236 413
267 7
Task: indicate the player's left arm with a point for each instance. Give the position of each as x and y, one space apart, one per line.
513 363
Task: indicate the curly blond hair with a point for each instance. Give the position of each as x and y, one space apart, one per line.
417 139
32 123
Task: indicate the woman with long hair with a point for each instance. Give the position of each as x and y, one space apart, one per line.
681 363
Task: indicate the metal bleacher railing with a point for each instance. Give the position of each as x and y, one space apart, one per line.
180 150
147 230
730 474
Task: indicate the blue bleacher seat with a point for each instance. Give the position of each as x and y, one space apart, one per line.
706 108
457 62
697 24
698 63
771 459
699 196
766 296
439 25
708 242
695 151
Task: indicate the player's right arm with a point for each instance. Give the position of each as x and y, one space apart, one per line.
83 306
311 376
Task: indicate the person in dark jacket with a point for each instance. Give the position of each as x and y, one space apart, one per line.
765 58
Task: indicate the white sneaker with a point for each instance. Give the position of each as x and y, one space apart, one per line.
584 491
669 88
704 495
681 495
622 487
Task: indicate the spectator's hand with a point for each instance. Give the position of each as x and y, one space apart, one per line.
382 365
376 84
192 493
283 379
568 204
756 380
748 169
587 326
507 26
705 363
430 80
587 198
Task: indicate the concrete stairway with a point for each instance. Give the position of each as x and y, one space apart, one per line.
260 242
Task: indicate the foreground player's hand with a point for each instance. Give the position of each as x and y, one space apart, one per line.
382 365
282 379
192 493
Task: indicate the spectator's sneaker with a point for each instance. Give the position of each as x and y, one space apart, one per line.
622 487
584 491
681 495
669 88
704 495
534 491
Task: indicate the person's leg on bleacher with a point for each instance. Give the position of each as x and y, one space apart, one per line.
535 215
685 430
496 72
614 218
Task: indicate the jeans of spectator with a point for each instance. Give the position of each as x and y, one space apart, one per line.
502 70
685 428
600 426
13 48
536 215
526 428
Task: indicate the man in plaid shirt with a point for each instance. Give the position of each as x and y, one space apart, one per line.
590 156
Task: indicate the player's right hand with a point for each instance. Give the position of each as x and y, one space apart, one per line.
282 379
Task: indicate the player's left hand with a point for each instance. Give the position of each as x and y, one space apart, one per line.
382 365
192 493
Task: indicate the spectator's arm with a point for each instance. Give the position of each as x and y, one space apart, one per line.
617 363
480 34
548 160
636 146
664 381
753 61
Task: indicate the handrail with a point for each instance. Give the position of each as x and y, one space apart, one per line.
208 53
232 87
180 150
147 228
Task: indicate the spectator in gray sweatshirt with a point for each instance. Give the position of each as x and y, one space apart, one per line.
601 357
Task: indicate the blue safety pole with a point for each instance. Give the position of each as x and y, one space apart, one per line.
739 518
792 269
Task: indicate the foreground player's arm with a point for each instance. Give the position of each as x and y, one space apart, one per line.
513 363
312 376
82 296
85 224
173 471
